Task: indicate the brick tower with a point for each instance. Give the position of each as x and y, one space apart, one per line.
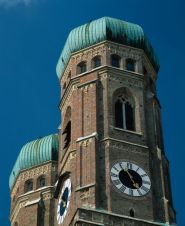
32 183
112 167
107 166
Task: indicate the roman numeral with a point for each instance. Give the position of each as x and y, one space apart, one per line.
117 182
129 165
120 166
114 175
130 192
114 167
139 192
137 169
123 188
146 182
144 189
144 175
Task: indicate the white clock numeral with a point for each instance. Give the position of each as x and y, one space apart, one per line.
122 188
117 182
146 182
139 192
130 192
144 188
144 175
115 168
114 175
129 165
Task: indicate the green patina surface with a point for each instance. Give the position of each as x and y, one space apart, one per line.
102 29
35 153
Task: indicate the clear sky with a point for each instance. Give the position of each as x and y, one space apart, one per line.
32 34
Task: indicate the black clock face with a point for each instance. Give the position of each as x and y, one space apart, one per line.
130 179
64 201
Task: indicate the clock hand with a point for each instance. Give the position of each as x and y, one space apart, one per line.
131 178
64 202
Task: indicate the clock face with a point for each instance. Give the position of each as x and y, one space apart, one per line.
130 179
64 201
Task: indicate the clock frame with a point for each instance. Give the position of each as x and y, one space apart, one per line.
130 179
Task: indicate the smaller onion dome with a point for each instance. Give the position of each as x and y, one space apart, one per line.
35 153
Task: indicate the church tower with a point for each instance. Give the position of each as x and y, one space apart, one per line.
112 166
32 183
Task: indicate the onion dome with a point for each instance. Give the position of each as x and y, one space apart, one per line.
102 29
35 153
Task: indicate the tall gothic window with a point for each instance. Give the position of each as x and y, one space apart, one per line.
124 113
115 60
28 186
96 62
130 64
41 182
66 135
82 67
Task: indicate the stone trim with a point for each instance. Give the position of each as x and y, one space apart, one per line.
84 187
124 142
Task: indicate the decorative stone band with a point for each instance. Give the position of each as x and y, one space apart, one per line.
99 217
47 193
34 172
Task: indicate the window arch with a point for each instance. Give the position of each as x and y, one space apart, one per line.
115 60
130 64
81 67
28 186
41 181
96 62
15 224
124 111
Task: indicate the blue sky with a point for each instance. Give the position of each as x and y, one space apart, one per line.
32 34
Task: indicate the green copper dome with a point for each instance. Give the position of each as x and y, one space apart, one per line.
105 28
35 153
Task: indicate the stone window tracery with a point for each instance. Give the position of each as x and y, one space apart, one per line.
124 112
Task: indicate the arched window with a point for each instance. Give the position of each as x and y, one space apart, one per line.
28 186
130 64
66 135
132 214
41 182
124 113
115 60
96 62
15 224
64 86
81 67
